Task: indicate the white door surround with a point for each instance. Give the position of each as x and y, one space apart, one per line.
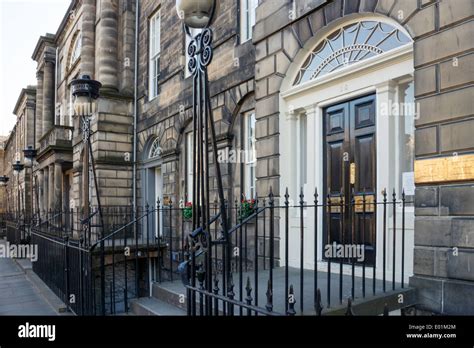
380 75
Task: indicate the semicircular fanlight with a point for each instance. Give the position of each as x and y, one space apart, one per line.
155 149
348 45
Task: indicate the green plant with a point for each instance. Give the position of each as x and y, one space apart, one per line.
188 211
247 208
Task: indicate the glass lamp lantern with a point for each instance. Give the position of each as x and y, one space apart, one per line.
84 91
17 167
197 14
30 155
4 180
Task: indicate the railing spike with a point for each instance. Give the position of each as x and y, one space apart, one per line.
216 285
248 289
291 302
318 305
230 289
349 311
269 293
385 310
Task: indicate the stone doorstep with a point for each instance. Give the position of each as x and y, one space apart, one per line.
50 297
146 306
173 293
377 303
170 296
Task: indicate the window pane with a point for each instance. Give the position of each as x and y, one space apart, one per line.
247 18
154 50
250 154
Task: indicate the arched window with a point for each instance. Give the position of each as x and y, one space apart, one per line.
155 149
348 45
76 49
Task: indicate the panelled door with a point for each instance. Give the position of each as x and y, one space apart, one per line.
350 171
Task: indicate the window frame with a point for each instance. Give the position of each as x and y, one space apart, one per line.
247 19
75 48
250 158
154 54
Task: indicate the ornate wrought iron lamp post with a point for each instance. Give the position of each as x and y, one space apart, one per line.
17 169
199 14
30 155
3 182
85 92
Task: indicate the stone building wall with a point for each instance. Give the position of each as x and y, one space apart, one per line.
94 39
169 115
3 192
12 150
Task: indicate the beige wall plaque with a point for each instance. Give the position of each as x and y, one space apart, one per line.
444 169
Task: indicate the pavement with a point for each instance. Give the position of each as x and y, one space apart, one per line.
18 294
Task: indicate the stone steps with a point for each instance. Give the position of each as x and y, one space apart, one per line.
173 294
152 306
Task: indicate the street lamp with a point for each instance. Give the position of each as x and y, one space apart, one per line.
200 14
3 183
196 13
17 169
4 180
30 155
85 91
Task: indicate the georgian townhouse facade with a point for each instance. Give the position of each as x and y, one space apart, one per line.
17 194
347 96
92 40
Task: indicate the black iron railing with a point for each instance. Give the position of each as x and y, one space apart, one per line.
277 254
271 257
17 227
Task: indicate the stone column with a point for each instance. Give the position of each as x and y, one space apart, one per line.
39 182
128 46
88 38
45 188
48 92
107 45
30 126
39 108
58 181
51 187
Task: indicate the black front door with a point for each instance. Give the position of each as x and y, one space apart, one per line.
350 171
